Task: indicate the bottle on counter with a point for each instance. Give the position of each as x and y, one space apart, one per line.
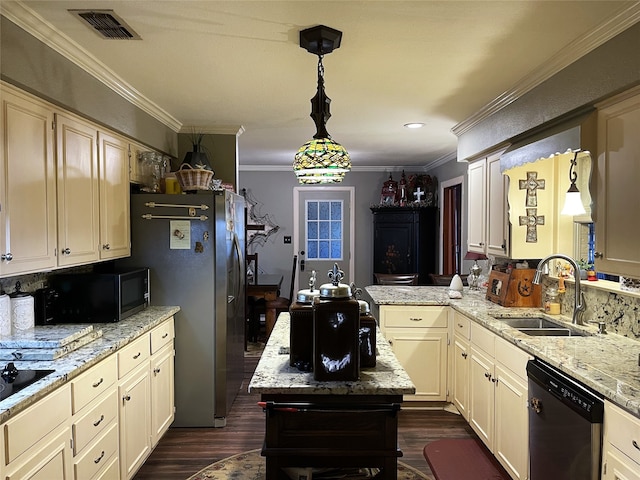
301 327
367 332
552 302
336 331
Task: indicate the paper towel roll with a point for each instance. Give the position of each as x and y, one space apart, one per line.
5 314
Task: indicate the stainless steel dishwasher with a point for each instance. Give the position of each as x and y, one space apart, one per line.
565 426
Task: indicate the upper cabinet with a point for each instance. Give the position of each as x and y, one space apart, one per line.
64 205
618 177
27 184
488 229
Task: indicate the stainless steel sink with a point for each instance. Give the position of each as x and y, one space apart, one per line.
541 327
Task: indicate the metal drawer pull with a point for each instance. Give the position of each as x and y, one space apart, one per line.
419 319
126 398
97 460
635 444
136 356
487 375
7 256
156 371
464 355
460 325
98 422
97 384
165 335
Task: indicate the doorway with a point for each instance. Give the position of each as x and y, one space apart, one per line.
451 226
323 225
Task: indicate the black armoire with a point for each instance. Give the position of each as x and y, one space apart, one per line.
405 240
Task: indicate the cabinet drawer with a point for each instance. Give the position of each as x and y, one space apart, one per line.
622 430
414 317
37 421
98 418
483 338
134 354
461 325
512 357
91 384
161 335
98 455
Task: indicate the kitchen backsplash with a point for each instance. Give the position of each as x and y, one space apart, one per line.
32 282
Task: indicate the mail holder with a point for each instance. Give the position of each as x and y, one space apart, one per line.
514 288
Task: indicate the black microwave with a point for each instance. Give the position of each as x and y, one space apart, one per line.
97 297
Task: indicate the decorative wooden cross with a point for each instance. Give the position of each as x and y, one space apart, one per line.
532 220
418 194
532 185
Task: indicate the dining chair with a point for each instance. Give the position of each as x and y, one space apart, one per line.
396 278
445 280
281 304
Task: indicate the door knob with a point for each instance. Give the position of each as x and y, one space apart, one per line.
6 256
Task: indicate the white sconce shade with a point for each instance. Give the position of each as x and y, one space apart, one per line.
573 203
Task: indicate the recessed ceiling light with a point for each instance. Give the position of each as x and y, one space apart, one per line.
414 125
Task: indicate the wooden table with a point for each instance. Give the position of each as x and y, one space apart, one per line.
328 424
267 287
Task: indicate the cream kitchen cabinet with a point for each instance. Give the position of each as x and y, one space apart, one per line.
498 399
135 167
78 191
418 337
488 226
460 363
618 177
162 380
27 184
621 445
40 449
115 235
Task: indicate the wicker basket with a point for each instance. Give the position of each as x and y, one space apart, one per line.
191 178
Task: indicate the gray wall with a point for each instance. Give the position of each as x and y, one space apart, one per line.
31 65
609 69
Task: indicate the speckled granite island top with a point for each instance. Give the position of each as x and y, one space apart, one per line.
114 336
273 375
607 363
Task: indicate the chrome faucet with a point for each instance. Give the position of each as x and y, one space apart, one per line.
579 303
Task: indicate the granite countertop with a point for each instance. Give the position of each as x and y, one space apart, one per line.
274 375
606 363
113 337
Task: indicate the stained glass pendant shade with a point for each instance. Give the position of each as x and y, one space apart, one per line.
321 159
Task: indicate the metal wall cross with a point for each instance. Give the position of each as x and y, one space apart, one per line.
532 185
532 220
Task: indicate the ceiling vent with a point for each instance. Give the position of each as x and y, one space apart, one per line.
106 24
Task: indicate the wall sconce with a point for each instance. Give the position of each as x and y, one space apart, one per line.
476 270
573 201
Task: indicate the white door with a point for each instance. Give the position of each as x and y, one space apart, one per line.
323 232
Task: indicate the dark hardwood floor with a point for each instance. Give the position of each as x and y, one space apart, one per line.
184 451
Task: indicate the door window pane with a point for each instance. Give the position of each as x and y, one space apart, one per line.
324 229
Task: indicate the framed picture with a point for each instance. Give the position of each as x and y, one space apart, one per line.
388 199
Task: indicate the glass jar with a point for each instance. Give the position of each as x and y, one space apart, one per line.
552 302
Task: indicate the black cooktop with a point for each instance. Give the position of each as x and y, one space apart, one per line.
13 380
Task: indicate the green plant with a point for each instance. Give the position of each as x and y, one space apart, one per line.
584 265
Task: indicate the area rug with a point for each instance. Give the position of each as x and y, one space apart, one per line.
251 466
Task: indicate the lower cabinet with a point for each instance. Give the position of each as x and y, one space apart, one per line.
498 410
460 364
102 424
621 454
418 337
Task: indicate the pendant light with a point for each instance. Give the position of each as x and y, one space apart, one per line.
321 160
573 201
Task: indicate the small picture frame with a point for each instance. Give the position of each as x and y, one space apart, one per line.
387 199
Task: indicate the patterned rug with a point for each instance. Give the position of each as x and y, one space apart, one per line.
251 466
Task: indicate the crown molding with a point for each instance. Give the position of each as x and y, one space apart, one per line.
572 52
35 25
236 130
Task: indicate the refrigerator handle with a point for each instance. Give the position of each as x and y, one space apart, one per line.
239 256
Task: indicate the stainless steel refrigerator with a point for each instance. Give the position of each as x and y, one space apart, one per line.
194 247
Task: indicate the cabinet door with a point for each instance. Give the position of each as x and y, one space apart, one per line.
476 210
618 179
115 238
423 354
50 459
496 213
135 429
78 213
481 396
393 250
162 392
617 466
511 423
460 381
27 185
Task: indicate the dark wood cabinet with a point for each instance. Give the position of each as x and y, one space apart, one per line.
405 240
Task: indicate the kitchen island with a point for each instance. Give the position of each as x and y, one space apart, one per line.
329 424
